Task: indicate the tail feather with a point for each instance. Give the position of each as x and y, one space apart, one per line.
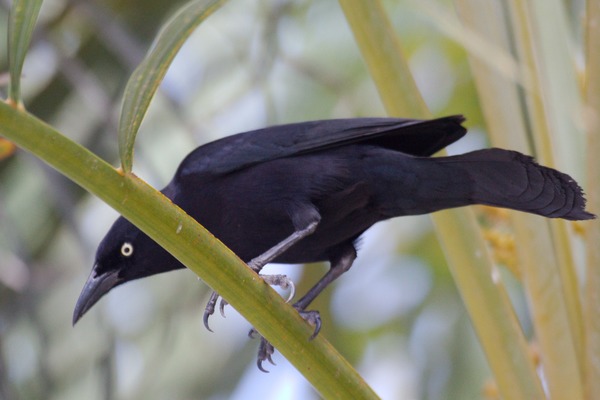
510 179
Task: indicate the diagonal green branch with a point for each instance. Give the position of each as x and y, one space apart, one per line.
195 247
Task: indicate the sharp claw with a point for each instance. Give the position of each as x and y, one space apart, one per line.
292 291
205 319
283 282
259 365
265 351
222 305
210 309
314 318
317 329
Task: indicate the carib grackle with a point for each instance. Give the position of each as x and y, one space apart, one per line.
305 192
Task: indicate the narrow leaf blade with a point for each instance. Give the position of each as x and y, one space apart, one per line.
458 232
147 77
592 284
21 22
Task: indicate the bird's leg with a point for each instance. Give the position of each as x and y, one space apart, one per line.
339 264
257 263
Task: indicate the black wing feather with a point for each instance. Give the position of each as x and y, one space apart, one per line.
414 137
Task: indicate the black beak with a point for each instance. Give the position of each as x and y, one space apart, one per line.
95 287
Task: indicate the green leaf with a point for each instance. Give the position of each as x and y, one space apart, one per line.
22 19
383 55
549 272
545 260
469 260
147 77
560 91
592 284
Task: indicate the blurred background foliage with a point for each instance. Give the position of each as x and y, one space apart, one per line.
396 316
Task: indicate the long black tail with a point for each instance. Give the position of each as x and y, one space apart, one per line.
500 178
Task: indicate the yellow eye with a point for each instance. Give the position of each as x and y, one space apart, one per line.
127 249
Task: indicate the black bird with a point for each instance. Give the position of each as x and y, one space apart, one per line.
305 192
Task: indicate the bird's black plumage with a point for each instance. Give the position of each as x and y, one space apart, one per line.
319 185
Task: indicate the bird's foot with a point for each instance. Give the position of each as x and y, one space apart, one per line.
210 308
266 349
283 282
274 280
314 318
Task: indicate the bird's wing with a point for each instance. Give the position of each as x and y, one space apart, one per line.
410 136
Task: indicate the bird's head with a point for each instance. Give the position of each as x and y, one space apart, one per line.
125 254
